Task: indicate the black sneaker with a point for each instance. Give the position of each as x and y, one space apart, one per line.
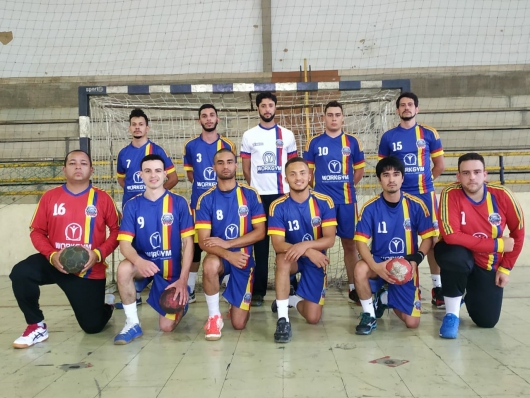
380 308
367 325
353 297
437 297
283 331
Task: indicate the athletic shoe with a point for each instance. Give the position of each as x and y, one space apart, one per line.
437 297
367 325
449 329
192 298
212 328
257 300
283 331
128 334
32 335
353 297
380 308
119 305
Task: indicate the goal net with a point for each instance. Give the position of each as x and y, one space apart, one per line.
174 119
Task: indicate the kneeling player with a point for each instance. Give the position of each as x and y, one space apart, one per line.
393 221
302 225
229 219
156 226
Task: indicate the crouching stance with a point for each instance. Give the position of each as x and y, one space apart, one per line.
393 220
157 225
302 226
229 219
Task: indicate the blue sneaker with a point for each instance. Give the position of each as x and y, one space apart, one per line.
367 325
449 329
128 334
380 308
119 304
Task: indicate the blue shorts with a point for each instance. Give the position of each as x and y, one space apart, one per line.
405 298
158 286
238 292
346 220
313 282
432 204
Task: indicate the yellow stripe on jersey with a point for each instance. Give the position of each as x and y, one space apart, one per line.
88 219
345 171
325 197
324 286
165 237
365 205
276 202
313 213
436 135
408 232
418 201
494 230
416 312
444 208
248 290
516 206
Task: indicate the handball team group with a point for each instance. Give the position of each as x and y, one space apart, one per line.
301 203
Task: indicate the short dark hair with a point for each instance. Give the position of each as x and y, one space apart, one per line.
152 156
137 112
296 159
333 104
410 95
389 163
223 150
77 150
207 106
471 156
261 96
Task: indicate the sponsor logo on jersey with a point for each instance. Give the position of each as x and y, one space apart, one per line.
167 219
346 151
269 164
232 231
73 232
494 219
209 174
159 254
279 143
410 159
257 144
155 240
247 298
206 184
316 221
137 178
91 211
421 143
242 211
396 246
60 245
307 237
407 225
334 167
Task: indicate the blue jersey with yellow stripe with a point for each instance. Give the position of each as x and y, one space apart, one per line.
155 229
394 230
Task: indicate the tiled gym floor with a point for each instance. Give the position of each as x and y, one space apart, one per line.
326 360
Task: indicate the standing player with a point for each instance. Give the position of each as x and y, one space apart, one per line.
303 226
473 254
75 213
416 145
264 151
157 225
229 220
336 161
393 221
129 171
198 162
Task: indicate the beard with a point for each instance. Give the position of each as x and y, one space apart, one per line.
209 130
298 190
226 177
407 118
267 119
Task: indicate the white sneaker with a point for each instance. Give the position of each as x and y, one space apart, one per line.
32 335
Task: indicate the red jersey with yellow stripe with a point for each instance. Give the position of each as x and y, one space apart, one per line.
415 147
156 228
64 219
479 226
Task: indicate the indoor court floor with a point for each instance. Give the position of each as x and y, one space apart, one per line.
324 360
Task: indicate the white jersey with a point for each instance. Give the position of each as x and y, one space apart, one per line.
268 151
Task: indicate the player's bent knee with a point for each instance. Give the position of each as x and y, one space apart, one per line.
313 319
239 324
485 323
92 328
361 269
412 322
167 328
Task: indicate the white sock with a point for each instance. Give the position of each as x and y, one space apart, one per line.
294 300
138 295
41 324
131 314
192 278
283 309
368 306
352 287
436 280
384 298
213 305
452 305
109 299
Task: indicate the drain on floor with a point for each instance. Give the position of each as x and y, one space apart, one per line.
390 362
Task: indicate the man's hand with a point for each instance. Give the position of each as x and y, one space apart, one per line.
380 269
213 242
296 251
56 263
508 244
92 259
501 279
317 258
181 287
238 259
146 268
